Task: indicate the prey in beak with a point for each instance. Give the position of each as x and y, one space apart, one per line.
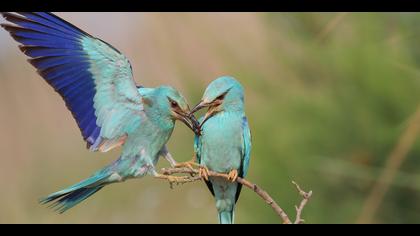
189 120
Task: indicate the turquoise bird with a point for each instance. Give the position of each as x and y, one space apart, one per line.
224 144
96 82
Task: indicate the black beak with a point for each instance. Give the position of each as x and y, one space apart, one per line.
209 113
199 106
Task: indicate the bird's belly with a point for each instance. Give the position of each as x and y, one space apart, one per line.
141 152
221 159
147 142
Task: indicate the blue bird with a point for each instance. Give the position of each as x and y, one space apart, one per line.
96 82
224 144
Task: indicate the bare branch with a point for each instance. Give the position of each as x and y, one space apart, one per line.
194 176
305 196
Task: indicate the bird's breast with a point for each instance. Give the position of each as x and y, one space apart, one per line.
221 143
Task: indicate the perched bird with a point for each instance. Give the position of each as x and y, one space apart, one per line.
96 82
224 144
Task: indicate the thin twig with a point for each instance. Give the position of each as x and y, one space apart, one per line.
305 196
194 176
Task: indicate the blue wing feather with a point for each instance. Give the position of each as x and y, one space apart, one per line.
197 151
246 151
43 63
34 34
58 72
197 148
54 22
41 26
80 68
246 146
36 51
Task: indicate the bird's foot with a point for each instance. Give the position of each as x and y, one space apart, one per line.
233 175
204 173
187 164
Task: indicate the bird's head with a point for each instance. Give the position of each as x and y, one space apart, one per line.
222 94
168 103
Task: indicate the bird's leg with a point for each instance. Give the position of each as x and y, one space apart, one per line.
171 160
233 175
204 173
167 155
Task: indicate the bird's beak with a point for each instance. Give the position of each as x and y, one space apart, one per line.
190 121
209 113
200 106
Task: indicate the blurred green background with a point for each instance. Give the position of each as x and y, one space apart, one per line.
328 97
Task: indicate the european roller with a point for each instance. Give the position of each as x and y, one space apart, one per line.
96 82
224 144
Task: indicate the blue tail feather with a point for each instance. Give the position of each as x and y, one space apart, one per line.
226 217
65 199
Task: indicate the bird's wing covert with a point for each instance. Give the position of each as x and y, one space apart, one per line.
246 146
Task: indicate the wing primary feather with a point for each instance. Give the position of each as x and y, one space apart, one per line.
92 77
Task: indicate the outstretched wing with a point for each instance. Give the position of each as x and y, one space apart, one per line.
94 79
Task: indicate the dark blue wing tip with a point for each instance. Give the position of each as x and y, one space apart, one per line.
10 27
5 26
4 14
52 45
14 30
23 48
7 16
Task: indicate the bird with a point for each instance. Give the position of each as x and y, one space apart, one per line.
95 80
223 144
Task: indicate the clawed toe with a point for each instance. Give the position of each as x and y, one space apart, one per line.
233 175
204 173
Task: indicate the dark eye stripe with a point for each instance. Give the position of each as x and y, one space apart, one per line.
221 97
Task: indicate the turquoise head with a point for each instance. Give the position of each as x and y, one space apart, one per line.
223 94
166 105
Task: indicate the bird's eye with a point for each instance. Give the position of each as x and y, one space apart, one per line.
174 104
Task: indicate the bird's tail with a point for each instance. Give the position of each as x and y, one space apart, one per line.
226 217
73 195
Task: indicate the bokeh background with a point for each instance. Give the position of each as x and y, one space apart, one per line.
331 100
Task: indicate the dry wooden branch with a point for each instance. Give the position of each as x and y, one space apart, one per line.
305 196
194 176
